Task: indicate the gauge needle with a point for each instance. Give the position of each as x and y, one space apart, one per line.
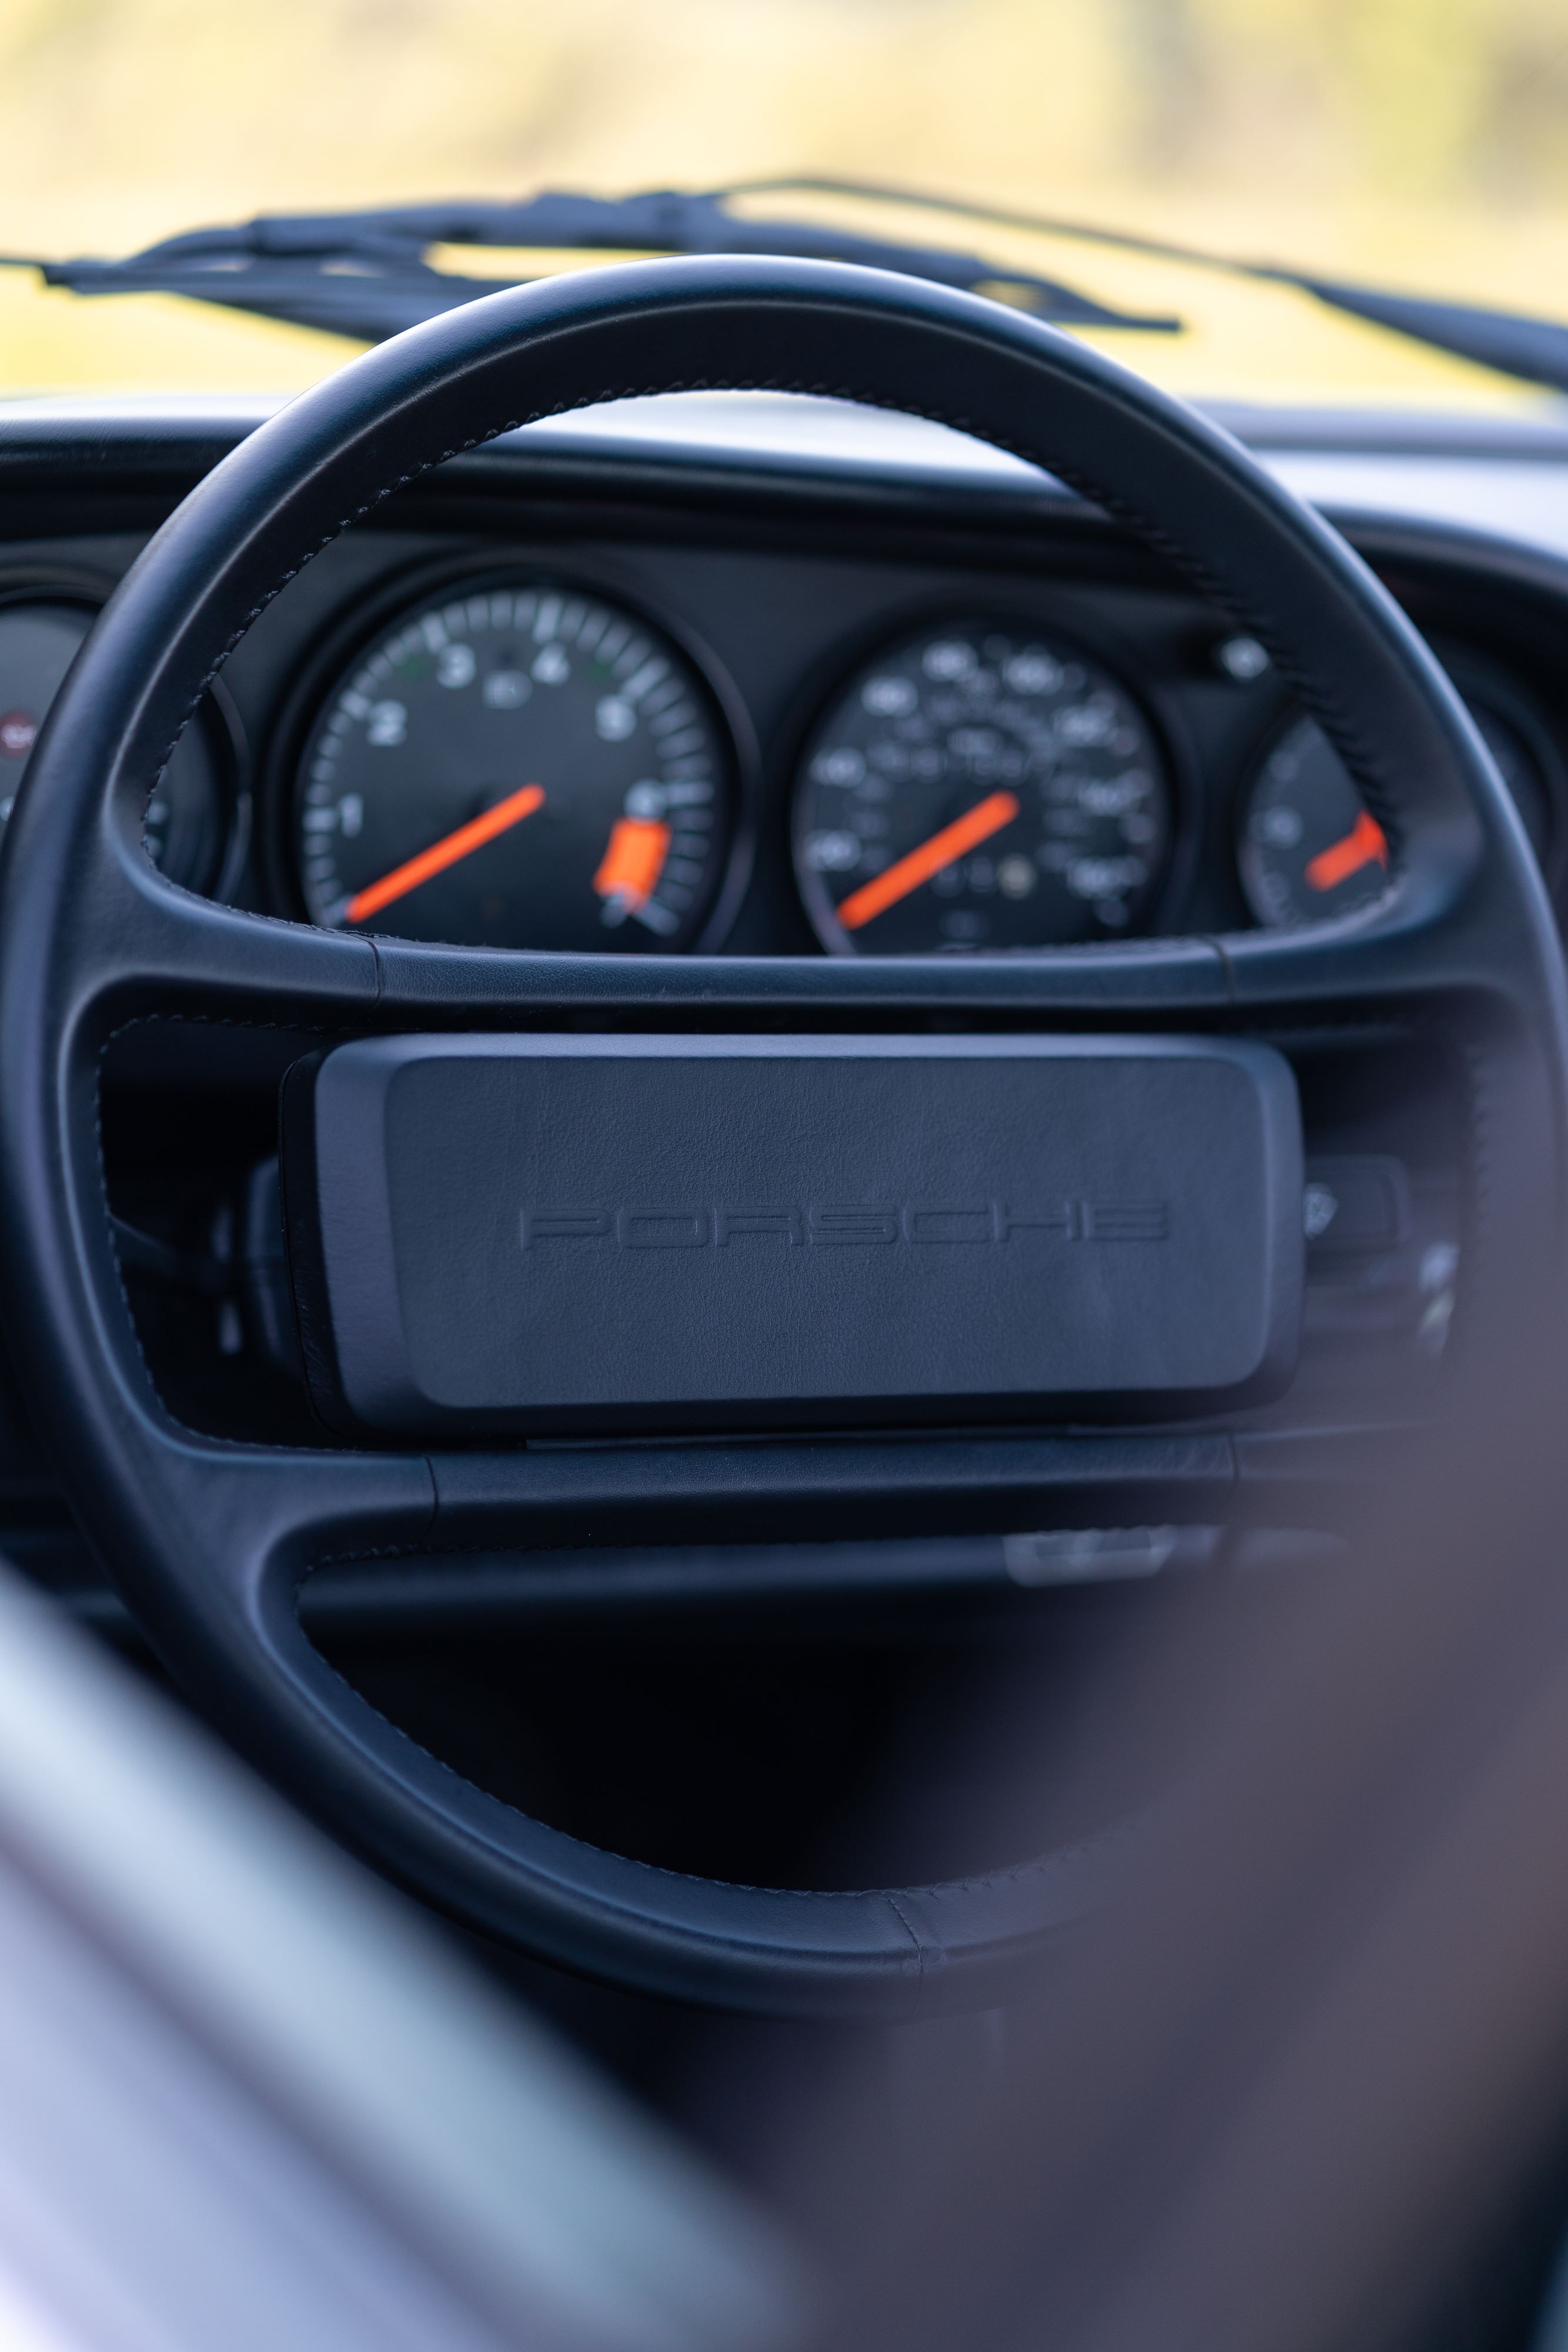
906 874
1365 844
447 851
632 862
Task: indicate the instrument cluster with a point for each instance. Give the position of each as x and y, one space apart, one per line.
520 758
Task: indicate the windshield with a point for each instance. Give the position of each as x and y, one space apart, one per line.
1422 144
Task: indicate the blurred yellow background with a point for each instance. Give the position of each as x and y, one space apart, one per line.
1420 142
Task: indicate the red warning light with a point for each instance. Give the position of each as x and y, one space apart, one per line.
18 733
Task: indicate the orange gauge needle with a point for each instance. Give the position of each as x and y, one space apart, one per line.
906 874
633 860
445 853
1364 845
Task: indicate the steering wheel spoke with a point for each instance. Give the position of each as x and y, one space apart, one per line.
266 1515
1385 963
1138 980
156 948
177 953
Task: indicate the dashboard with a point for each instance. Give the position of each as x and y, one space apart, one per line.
595 692
731 675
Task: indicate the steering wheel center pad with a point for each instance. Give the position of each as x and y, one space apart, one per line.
209 1541
558 1233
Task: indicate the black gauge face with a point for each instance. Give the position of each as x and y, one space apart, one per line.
187 822
1309 847
520 766
979 786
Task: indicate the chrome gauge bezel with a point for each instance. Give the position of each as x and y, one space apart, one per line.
1019 616
365 622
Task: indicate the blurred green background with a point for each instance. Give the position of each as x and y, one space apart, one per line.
1420 142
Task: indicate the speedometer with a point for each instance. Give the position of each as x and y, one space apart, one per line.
979 785
522 765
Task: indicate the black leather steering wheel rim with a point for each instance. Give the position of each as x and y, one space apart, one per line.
209 1541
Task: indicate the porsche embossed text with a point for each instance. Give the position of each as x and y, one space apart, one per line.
846 1226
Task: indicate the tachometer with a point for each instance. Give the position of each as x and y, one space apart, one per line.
518 766
979 785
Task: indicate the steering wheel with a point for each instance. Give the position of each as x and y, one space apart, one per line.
208 1541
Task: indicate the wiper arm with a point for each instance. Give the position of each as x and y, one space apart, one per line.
1509 342
365 275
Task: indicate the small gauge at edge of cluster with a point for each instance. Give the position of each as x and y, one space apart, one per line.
1310 847
187 825
979 785
517 765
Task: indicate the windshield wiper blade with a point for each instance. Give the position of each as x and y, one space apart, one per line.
365 273
1509 342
